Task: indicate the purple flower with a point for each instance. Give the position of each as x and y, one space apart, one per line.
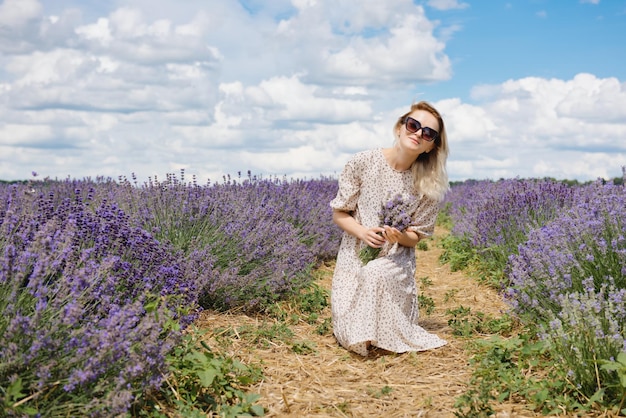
396 213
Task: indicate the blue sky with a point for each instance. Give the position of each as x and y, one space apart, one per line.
500 40
295 87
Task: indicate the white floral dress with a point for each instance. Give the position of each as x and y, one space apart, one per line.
378 302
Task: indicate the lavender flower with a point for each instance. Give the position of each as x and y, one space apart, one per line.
396 213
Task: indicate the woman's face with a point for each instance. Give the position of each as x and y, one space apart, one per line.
425 125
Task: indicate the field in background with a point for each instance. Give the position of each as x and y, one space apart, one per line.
102 280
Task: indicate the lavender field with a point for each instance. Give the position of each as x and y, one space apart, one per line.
558 254
100 278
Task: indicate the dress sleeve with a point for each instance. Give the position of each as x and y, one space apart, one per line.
349 188
425 217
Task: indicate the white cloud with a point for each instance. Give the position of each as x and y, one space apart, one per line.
380 42
410 53
99 31
447 4
125 35
280 88
16 13
556 128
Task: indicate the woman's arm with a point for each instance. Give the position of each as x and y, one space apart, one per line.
374 237
348 224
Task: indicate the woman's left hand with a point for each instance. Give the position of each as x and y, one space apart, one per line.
392 235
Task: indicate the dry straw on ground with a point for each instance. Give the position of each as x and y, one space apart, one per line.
331 382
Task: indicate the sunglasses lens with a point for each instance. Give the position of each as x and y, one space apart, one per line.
412 125
428 134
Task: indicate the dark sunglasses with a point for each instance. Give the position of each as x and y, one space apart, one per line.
429 134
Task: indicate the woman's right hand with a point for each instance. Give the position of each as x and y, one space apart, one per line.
370 236
373 237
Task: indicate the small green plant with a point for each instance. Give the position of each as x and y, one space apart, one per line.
325 327
422 245
303 347
201 381
466 323
264 334
619 367
344 407
499 374
385 390
313 299
443 218
522 368
450 295
277 311
458 252
425 282
293 319
426 303
312 318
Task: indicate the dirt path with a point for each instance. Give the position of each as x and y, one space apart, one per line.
331 382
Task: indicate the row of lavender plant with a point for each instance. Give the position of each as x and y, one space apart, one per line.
565 252
98 277
569 277
90 305
496 216
256 239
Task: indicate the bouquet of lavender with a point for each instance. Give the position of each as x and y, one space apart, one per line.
395 213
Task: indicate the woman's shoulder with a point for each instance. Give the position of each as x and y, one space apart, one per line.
367 156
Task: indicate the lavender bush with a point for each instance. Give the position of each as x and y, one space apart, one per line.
562 253
99 278
570 279
586 332
256 239
495 217
89 304
585 242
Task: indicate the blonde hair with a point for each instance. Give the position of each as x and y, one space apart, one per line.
429 169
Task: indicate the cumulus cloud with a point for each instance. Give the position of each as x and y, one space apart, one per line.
388 42
555 128
16 13
447 4
291 87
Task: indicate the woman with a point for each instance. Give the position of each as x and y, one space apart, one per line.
376 304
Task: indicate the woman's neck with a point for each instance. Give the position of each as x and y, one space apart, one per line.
397 160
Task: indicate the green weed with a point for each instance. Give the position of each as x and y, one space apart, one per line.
450 295
425 282
466 323
201 381
426 303
379 393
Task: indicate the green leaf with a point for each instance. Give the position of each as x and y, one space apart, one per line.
14 391
151 306
610 366
597 397
197 357
257 410
207 377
